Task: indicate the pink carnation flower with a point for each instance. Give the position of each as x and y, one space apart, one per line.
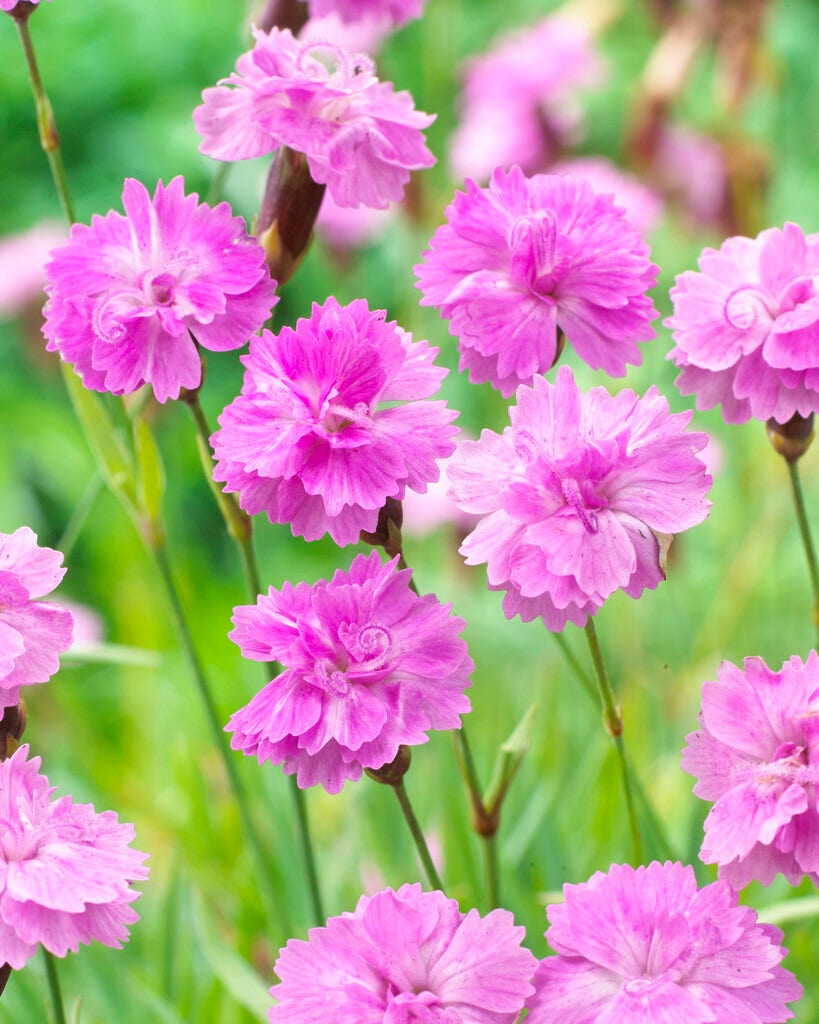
361 138
643 206
578 496
65 871
396 11
405 956
747 327
519 100
316 438
645 946
127 292
526 257
32 633
369 666
756 756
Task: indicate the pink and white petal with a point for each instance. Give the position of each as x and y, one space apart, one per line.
750 813
39 568
47 632
571 991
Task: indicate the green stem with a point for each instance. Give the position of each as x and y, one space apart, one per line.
220 739
46 125
481 823
417 835
54 988
807 540
300 804
82 510
575 666
217 185
613 722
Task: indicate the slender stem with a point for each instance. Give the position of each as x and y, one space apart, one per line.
54 988
218 184
807 540
219 737
417 835
613 722
46 125
575 666
491 872
483 823
82 510
300 804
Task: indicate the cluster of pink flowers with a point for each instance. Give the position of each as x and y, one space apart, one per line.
129 294
65 871
361 138
528 257
33 633
369 666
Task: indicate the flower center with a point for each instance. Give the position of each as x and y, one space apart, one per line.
584 502
159 288
333 416
541 255
415 1008
368 648
790 763
748 306
18 841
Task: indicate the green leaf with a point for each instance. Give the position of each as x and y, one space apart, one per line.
509 758
151 474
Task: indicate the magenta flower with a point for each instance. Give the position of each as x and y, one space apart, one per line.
747 327
403 957
127 292
645 946
528 257
310 441
756 756
369 666
361 138
578 496
519 101
65 871
33 633
396 11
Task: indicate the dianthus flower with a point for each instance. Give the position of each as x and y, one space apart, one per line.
405 956
519 101
756 756
65 871
369 666
578 496
747 327
640 945
361 138
526 257
396 11
309 440
32 633
127 292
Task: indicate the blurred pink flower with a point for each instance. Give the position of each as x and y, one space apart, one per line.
756 756
405 956
22 266
89 628
527 257
65 871
334 418
747 326
643 206
360 137
368 666
33 633
577 497
127 292
423 513
397 12
646 946
691 169
348 227
363 36
519 104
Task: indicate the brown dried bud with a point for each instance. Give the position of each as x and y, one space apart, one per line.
22 11
391 774
387 533
792 439
12 727
290 206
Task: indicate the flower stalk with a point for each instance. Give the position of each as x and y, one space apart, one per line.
54 988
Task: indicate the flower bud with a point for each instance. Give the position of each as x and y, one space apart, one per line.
792 439
12 727
391 774
289 209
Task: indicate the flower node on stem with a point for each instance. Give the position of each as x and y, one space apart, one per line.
391 774
792 439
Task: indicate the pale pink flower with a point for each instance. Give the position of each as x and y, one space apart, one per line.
643 206
360 137
395 12
65 871
527 257
127 293
747 326
368 666
690 167
22 266
646 946
33 633
405 956
519 101
578 497
333 419
352 227
423 513
756 756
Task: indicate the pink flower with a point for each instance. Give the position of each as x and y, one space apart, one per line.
348 227
645 946
578 496
22 266
65 871
362 36
747 327
127 292
526 257
642 205
402 957
692 171
316 440
369 666
519 102
361 138
756 756
32 633
396 11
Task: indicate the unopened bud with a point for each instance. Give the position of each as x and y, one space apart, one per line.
290 206
387 533
391 774
12 727
791 439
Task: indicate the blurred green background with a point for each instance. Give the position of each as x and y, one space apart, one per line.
123 79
